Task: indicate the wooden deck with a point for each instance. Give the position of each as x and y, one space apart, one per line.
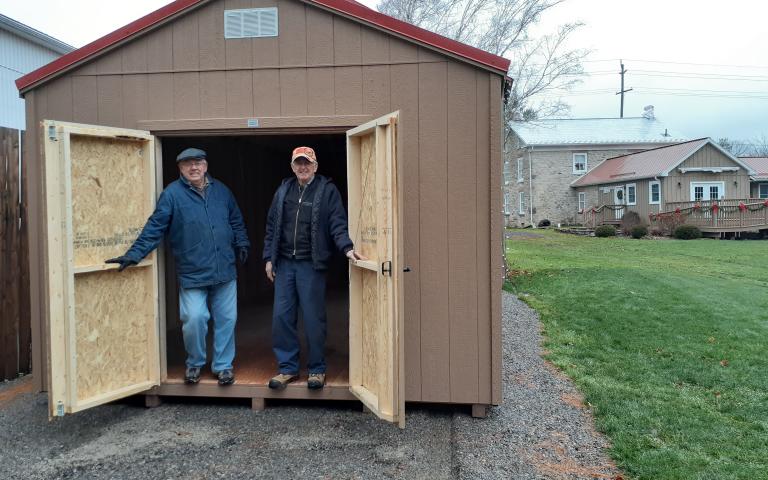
718 216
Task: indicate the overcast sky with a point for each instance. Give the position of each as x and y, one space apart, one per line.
702 64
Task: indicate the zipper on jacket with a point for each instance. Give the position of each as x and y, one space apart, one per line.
296 225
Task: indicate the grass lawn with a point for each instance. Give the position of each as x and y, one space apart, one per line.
668 341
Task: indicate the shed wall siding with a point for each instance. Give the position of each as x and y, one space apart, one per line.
325 65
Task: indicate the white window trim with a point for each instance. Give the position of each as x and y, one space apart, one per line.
760 187
626 193
705 185
650 192
521 203
582 201
520 170
573 163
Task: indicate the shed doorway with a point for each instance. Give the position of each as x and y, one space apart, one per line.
252 166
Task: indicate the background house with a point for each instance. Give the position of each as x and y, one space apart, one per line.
544 157
22 49
665 178
759 185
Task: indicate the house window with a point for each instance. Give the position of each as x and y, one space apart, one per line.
632 194
520 170
582 201
763 190
707 191
579 162
521 203
654 193
507 203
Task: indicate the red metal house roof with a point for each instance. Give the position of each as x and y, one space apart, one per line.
348 8
656 162
759 165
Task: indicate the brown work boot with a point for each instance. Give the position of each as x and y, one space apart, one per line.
316 381
281 380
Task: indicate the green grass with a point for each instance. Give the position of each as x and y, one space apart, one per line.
668 341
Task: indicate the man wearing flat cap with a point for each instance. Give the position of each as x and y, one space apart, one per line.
305 225
205 228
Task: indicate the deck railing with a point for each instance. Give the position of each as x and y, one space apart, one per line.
733 214
594 216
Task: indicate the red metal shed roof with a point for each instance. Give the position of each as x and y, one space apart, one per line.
348 8
759 165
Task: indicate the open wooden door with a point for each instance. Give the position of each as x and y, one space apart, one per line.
103 325
376 359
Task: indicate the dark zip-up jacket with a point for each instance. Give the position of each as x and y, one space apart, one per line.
295 237
328 222
203 230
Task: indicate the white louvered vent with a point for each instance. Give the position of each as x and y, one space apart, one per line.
250 23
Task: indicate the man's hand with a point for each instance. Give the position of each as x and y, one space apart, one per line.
123 261
242 255
353 255
270 272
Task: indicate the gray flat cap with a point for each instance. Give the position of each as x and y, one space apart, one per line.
191 153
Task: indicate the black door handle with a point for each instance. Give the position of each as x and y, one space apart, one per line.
407 269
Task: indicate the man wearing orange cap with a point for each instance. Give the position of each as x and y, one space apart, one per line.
305 225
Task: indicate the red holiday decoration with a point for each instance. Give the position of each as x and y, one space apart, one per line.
697 206
765 203
677 210
742 207
715 208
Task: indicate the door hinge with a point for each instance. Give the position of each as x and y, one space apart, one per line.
60 409
386 268
52 132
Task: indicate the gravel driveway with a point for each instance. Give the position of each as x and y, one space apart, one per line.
540 432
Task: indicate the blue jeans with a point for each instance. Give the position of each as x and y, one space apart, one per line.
193 309
297 284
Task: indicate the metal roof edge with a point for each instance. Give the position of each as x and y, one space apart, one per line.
35 36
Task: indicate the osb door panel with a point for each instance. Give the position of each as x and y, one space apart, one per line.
103 324
376 358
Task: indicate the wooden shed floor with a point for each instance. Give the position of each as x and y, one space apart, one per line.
255 363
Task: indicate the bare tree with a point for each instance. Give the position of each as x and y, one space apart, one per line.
540 66
757 147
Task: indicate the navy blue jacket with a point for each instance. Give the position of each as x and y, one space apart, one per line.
328 227
203 232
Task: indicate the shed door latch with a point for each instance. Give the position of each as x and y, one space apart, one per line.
386 268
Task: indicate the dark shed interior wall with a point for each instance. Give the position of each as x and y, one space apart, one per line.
451 149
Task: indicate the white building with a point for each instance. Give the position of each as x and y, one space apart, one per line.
22 50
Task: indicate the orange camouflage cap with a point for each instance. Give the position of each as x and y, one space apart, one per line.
305 152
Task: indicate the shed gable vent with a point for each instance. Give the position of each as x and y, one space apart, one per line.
250 23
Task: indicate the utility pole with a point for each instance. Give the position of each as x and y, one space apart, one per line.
622 92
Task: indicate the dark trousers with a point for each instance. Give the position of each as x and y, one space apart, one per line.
297 284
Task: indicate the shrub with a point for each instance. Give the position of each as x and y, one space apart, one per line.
687 232
639 231
605 231
658 232
544 223
629 221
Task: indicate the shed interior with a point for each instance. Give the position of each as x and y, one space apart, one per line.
253 166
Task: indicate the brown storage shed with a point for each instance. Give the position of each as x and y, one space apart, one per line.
407 123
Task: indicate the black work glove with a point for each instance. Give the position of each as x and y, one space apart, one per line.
242 255
123 261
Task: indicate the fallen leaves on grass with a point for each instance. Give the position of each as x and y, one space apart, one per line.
724 363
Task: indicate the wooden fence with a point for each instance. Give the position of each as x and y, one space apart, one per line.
15 331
